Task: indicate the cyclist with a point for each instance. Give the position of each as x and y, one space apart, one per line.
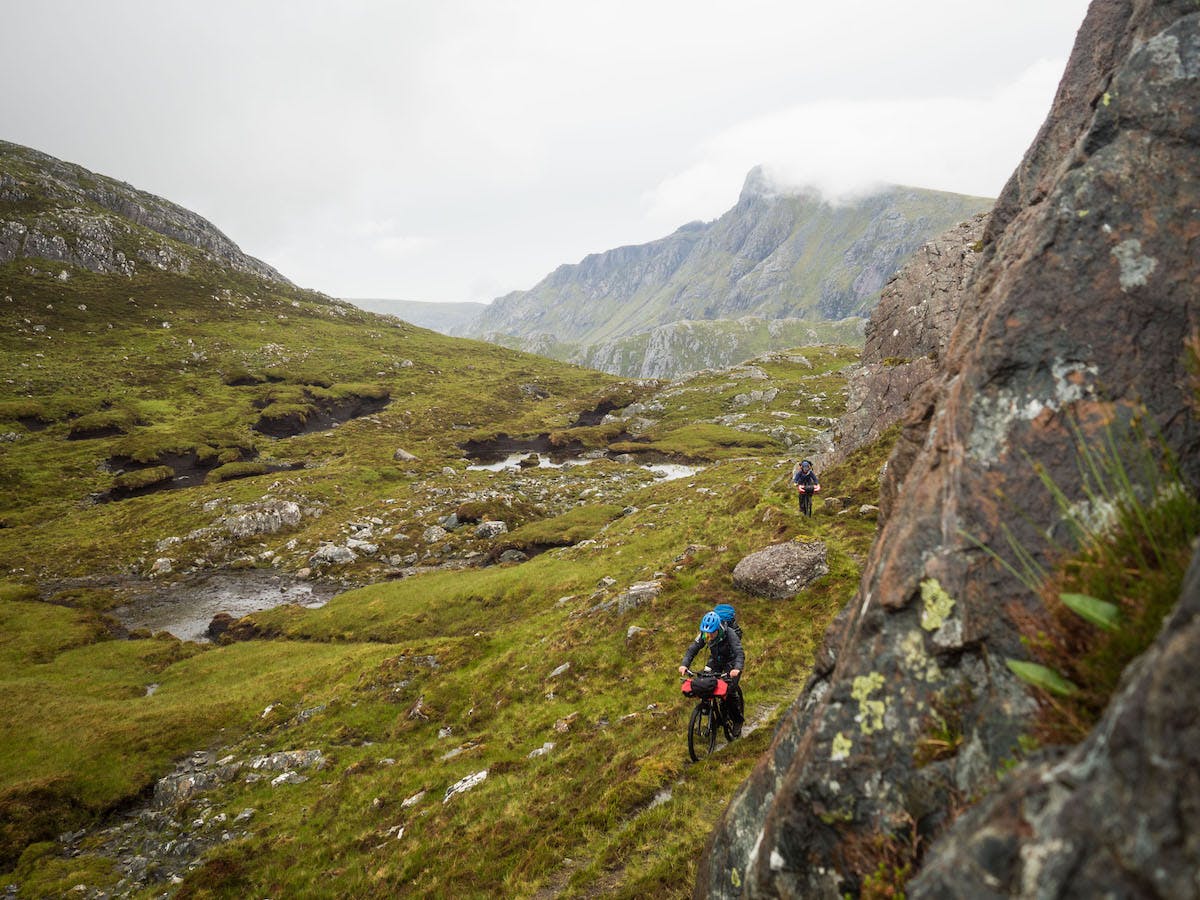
725 654
806 483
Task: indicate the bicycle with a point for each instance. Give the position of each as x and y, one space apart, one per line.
710 713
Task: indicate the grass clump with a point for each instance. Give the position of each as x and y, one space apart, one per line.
143 478
117 420
1105 597
17 410
232 470
571 527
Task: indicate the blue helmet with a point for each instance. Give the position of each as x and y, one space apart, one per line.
710 623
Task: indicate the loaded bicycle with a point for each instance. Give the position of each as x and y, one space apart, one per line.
710 714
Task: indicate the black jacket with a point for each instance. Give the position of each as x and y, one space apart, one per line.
807 479
724 653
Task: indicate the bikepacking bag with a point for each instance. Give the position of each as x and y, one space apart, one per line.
728 617
705 685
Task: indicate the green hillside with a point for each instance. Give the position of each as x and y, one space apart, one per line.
159 425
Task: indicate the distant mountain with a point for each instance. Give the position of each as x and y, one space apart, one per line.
774 256
62 212
448 318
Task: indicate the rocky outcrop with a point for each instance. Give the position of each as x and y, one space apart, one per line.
1117 816
1075 320
54 210
775 255
907 334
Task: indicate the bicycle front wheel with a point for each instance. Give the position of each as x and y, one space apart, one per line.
702 734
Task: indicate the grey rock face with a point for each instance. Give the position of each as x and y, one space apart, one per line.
908 332
782 570
264 517
84 219
918 307
1116 816
1091 231
332 555
490 529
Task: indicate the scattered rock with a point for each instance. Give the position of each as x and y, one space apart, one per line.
542 750
364 547
514 556
633 632
638 593
264 517
433 534
413 800
465 784
565 667
402 455
563 725
782 570
332 555
288 778
290 759
164 565
490 529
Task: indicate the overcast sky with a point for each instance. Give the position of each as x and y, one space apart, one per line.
457 150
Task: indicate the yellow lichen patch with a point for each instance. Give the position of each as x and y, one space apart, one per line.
841 748
870 712
916 660
936 605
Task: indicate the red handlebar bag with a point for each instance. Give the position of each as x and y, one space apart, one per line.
705 686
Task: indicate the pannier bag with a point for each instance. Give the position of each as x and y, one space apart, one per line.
728 617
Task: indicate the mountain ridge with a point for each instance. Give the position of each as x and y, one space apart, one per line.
774 254
72 215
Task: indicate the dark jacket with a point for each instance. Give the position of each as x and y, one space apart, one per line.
724 653
808 479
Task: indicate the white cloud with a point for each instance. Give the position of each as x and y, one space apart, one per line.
965 145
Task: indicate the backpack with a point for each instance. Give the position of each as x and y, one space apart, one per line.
728 617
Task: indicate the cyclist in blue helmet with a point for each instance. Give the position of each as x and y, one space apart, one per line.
725 654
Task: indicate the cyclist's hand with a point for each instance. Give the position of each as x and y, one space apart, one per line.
734 673
683 671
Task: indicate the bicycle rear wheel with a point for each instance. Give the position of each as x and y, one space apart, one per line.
702 733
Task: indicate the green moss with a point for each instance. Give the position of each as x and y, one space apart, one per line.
232 470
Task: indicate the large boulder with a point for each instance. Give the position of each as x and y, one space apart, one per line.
1075 322
263 517
781 570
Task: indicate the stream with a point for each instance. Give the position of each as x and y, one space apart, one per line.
184 608
663 471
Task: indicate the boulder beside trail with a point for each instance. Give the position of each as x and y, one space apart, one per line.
782 570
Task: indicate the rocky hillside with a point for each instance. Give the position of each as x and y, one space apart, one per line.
774 256
1033 470
55 211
